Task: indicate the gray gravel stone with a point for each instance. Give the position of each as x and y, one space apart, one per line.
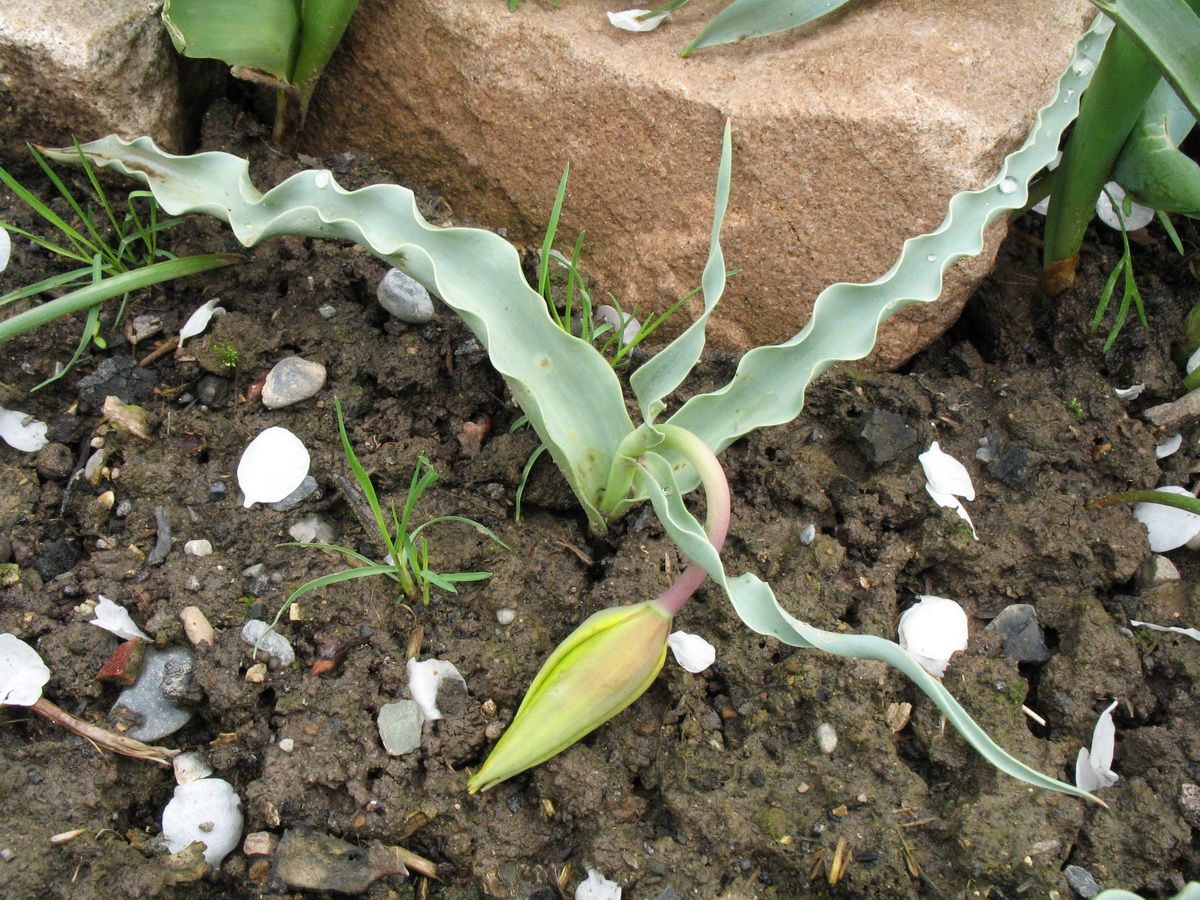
307 488
400 726
160 717
404 298
1021 633
292 380
1081 882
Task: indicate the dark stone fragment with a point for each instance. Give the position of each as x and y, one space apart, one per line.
55 462
120 377
57 558
212 390
885 436
1021 634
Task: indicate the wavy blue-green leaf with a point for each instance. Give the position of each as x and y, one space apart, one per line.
1151 167
567 389
770 383
667 369
756 605
743 19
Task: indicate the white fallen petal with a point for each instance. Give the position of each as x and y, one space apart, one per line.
5 249
115 618
1166 526
205 810
933 630
691 651
952 502
1093 769
22 432
629 325
597 887
628 20
1169 446
425 679
1193 633
1130 393
946 474
272 466
1139 216
1194 360
22 672
199 319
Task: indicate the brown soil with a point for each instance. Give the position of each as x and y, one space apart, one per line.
711 786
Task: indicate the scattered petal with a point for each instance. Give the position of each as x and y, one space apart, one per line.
952 502
1166 526
628 20
596 886
199 320
22 432
933 630
5 248
1193 633
1093 770
1169 446
1130 393
206 810
425 679
628 324
22 672
1138 217
114 618
691 651
1193 361
946 474
272 466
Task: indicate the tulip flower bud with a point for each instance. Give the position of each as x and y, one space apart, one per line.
602 667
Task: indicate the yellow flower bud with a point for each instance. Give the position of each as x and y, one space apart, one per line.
603 666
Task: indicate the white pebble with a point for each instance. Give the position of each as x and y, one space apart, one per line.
287 745
827 739
506 616
198 548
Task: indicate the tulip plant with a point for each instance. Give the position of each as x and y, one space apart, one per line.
574 401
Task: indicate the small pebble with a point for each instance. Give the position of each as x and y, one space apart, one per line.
190 766
160 717
8 854
258 632
55 462
404 298
327 310
827 739
212 390
307 488
198 548
292 380
1020 633
505 616
259 843
1081 882
195 625
312 530
1189 803
400 727
257 673
287 745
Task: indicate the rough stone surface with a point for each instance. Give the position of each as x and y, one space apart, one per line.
160 717
291 380
91 68
849 137
405 298
400 727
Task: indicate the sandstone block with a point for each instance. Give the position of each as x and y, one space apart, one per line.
850 136
90 68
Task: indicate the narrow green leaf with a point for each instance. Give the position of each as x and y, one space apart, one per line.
1110 106
322 24
1168 32
743 19
107 288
